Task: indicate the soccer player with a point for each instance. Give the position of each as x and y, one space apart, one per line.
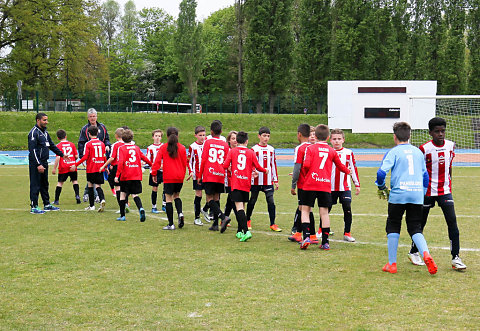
439 153
317 165
194 157
408 174
266 183
152 151
212 173
68 148
230 205
174 158
94 154
129 173
341 187
242 162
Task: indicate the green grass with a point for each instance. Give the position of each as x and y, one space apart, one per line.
78 270
14 127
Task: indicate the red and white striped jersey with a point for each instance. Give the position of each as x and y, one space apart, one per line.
340 180
439 163
267 159
152 151
194 156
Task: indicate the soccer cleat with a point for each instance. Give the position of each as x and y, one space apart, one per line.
391 268
246 236
164 209
415 258
325 247
223 225
90 208
205 215
142 215
102 206
239 235
97 199
85 197
50 208
294 229
56 203
169 227
319 234
297 237
155 211
431 266
305 243
275 228
77 197
181 220
313 239
198 222
121 218
36 211
457 264
213 228
114 192
347 236
249 224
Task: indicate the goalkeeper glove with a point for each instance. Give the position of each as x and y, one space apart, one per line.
383 192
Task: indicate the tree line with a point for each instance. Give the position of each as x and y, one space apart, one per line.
255 48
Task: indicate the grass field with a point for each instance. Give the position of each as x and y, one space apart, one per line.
77 270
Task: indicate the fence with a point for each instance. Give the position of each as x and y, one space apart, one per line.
157 102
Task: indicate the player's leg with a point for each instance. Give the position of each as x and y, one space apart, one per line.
254 191
91 195
414 255
324 203
269 191
197 203
346 201
101 196
34 189
122 194
44 186
154 193
241 219
305 211
393 227
76 188
179 204
169 190
58 191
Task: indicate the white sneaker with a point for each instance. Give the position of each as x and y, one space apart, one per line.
102 206
198 222
348 237
97 199
415 258
205 215
90 208
457 263
319 234
169 227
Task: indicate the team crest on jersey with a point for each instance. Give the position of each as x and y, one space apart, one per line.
441 159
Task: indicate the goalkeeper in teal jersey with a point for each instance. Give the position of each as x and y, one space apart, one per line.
408 179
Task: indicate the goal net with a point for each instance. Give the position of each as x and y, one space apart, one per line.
462 114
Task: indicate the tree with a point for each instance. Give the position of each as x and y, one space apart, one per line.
473 42
188 48
240 38
110 20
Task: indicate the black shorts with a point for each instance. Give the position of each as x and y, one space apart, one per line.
197 186
131 186
159 179
414 214
212 188
111 176
324 199
441 200
170 188
301 196
345 197
262 188
63 177
228 189
239 196
95 178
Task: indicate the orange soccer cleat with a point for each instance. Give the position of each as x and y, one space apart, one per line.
391 268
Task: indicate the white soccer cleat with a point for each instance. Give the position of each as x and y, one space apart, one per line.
205 216
102 206
415 258
90 208
169 227
348 237
198 222
457 263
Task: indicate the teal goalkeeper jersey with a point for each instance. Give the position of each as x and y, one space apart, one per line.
409 174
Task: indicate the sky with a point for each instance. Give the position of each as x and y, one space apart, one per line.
204 7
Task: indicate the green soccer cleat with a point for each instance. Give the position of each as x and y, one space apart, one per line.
239 235
246 236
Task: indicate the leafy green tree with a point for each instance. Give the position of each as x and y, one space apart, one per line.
473 42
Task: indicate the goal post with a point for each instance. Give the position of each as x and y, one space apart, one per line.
462 113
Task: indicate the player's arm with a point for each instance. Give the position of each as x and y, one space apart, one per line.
106 164
339 163
82 140
157 164
83 159
144 158
257 165
183 157
354 175
120 166
55 165
274 171
387 164
202 164
32 147
297 167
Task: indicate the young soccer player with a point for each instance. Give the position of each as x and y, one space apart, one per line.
408 174
194 157
266 183
152 151
68 148
242 162
112 163
174 158
94 154
230 205
439 153
212 173
341 187
317 165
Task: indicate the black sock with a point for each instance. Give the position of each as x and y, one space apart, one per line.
229 206
164 201
347 217
154 198
196 206
242 221
306 232
91 196
138 202
205 208
101 196
297 221
117 193
215 208
178 205
122 207
58 190
271 212
312 223
169 211
325 233
76 189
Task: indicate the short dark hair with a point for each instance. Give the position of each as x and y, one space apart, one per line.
127 136
40 116
263 130
402 131
93 130
199 129
242 137
216 127
322 132
61 134
436 121
304 130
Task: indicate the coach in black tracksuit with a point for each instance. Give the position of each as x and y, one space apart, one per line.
39 145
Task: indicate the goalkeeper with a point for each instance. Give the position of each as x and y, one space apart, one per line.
408 179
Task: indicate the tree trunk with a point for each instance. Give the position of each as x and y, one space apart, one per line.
259 106
239 6
271 100
319 107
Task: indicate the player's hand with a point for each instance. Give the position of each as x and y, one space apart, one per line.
154 178
54 171
189 176
293 192
72 168
102 168
41 169
66 158
276 186
383 193
107 149
116 180
255 173
357 190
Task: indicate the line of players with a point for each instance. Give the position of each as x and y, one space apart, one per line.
320 173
